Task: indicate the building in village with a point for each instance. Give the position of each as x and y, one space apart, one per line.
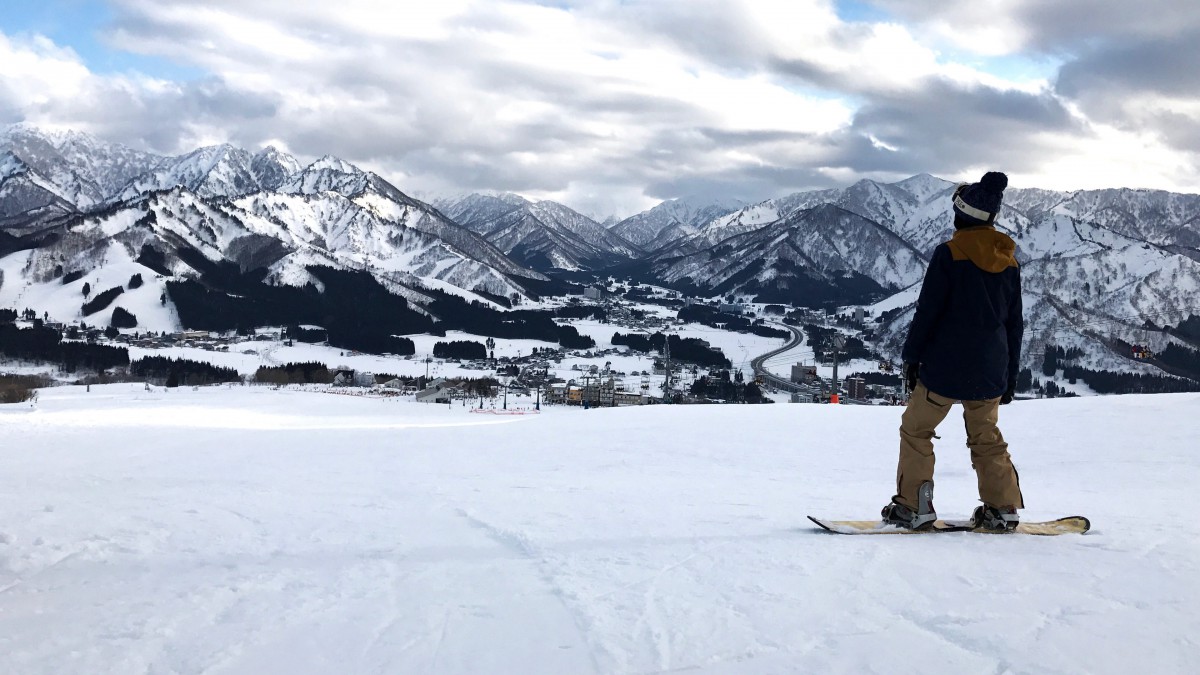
856 388
593 393
436 392
803 373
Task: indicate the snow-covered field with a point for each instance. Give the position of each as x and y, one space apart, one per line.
250 530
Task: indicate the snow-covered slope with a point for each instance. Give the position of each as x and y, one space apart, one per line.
352 233
250 530
330 177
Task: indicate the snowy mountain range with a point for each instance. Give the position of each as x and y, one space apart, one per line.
69 203
1101 267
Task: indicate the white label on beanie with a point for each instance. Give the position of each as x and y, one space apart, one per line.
970 210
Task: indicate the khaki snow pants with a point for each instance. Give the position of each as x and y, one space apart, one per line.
998 482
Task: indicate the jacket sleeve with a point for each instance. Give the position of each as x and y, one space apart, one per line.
934 291
1016 330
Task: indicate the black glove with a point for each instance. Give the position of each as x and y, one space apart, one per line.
910 375
1007 396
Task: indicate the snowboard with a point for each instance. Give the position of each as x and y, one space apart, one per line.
1070 525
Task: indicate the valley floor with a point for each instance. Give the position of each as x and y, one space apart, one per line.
250 530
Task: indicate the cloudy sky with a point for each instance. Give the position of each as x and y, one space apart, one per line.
613 105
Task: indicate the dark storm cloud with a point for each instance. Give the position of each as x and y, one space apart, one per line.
944 127
1060 27
1113 53
1119 85
1181 130
1168 66
1135 85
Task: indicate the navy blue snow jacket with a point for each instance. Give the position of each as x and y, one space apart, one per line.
966 333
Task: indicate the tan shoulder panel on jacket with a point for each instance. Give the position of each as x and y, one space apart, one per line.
988 249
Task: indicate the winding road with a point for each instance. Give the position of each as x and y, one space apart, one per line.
776 381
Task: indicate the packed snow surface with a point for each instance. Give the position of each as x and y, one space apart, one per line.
251 530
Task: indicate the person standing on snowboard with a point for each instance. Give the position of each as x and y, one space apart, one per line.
964 346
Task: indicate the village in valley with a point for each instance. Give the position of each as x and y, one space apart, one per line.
743 352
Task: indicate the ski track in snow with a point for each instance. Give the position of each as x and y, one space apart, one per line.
383 537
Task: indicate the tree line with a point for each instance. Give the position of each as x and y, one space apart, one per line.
715 318
466 350
45 345
690 350
356 311
173 372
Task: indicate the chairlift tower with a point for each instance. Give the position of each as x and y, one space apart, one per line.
667 367
839 341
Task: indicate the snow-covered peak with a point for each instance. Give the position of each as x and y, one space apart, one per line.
553 209
479 212
673 219
272 168
923 186
511 198
328 174
25 192
86 170
333 164
213 171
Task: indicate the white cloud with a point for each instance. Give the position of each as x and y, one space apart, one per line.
1139 157
37 74
610 104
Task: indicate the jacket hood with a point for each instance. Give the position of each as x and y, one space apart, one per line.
990 250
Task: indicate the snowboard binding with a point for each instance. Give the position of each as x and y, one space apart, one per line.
903 516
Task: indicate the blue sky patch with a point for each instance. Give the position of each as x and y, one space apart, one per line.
80 25
856 11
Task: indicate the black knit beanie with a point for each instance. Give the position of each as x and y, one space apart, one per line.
978 203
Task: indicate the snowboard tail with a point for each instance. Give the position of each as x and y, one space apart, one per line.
1069 525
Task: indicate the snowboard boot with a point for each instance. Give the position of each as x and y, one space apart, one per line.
921 519
993 519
